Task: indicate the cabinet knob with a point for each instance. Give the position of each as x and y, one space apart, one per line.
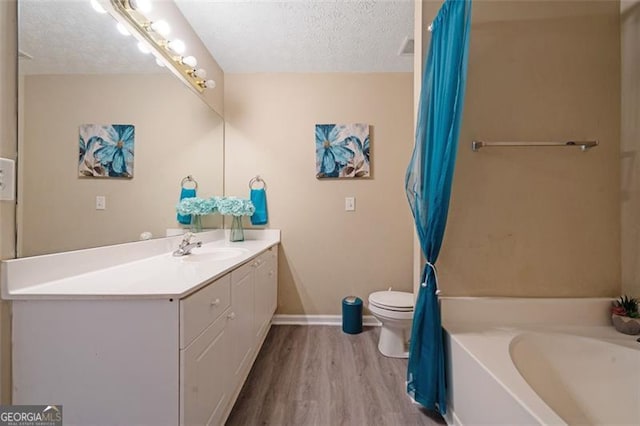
215 302
270 273
232 316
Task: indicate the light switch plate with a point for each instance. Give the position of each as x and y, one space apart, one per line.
7 179
350 204
101 202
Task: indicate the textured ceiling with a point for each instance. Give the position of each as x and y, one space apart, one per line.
69 37
303 35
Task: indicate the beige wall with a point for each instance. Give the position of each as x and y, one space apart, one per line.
630 147
8 110
538 221
326 253
176 135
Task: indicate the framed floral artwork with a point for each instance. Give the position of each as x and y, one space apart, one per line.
342 151
106 150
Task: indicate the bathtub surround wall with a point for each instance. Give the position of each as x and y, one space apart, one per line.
326 253
176 135
630 146
8 131
540 222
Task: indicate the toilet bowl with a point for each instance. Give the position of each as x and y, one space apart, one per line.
394 309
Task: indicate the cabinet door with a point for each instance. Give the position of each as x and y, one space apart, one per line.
263 297
241 320
204 377
266 290
273 280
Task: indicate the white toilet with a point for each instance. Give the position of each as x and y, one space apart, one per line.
394 309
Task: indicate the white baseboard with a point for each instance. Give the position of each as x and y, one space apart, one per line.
367 320
451 419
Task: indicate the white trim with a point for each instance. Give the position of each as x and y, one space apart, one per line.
451 418
367 320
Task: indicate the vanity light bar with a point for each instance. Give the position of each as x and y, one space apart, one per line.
145 29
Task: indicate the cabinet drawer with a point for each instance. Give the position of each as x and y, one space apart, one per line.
202 308
260 260
271 255
242 271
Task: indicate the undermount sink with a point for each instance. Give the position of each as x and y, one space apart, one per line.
205 254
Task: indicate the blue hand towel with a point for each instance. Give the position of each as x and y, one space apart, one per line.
259 200
185 219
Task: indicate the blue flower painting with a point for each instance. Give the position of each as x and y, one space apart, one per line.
106 150
342 150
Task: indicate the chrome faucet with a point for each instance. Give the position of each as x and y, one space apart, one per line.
186 245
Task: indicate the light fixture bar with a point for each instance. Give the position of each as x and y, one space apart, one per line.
160 44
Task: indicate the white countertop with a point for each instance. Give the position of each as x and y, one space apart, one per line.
153 276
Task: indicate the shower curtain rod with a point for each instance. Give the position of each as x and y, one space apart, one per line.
584 145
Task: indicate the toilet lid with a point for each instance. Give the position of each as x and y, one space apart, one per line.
394 300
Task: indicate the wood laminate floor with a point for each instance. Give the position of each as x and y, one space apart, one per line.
318 375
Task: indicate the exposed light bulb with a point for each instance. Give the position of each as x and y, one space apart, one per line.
97 6
122 30
159 62
177 46
143 48
142 6
200 73
209 84
190 61
161 27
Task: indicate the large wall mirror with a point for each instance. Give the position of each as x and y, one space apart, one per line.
630 146
76 69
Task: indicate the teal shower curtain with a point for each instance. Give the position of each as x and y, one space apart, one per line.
428 187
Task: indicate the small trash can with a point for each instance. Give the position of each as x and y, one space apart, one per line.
352 315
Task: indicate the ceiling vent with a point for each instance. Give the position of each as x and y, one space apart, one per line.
406 49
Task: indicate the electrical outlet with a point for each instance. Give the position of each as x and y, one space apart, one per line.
101 202
350 204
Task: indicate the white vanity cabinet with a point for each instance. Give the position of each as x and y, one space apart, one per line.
216 363
158 361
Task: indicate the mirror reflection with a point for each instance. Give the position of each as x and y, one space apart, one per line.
78 77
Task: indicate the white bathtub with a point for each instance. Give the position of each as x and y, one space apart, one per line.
539 361
584 380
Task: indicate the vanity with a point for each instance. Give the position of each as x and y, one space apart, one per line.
130 334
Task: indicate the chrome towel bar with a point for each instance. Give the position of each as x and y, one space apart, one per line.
584 145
